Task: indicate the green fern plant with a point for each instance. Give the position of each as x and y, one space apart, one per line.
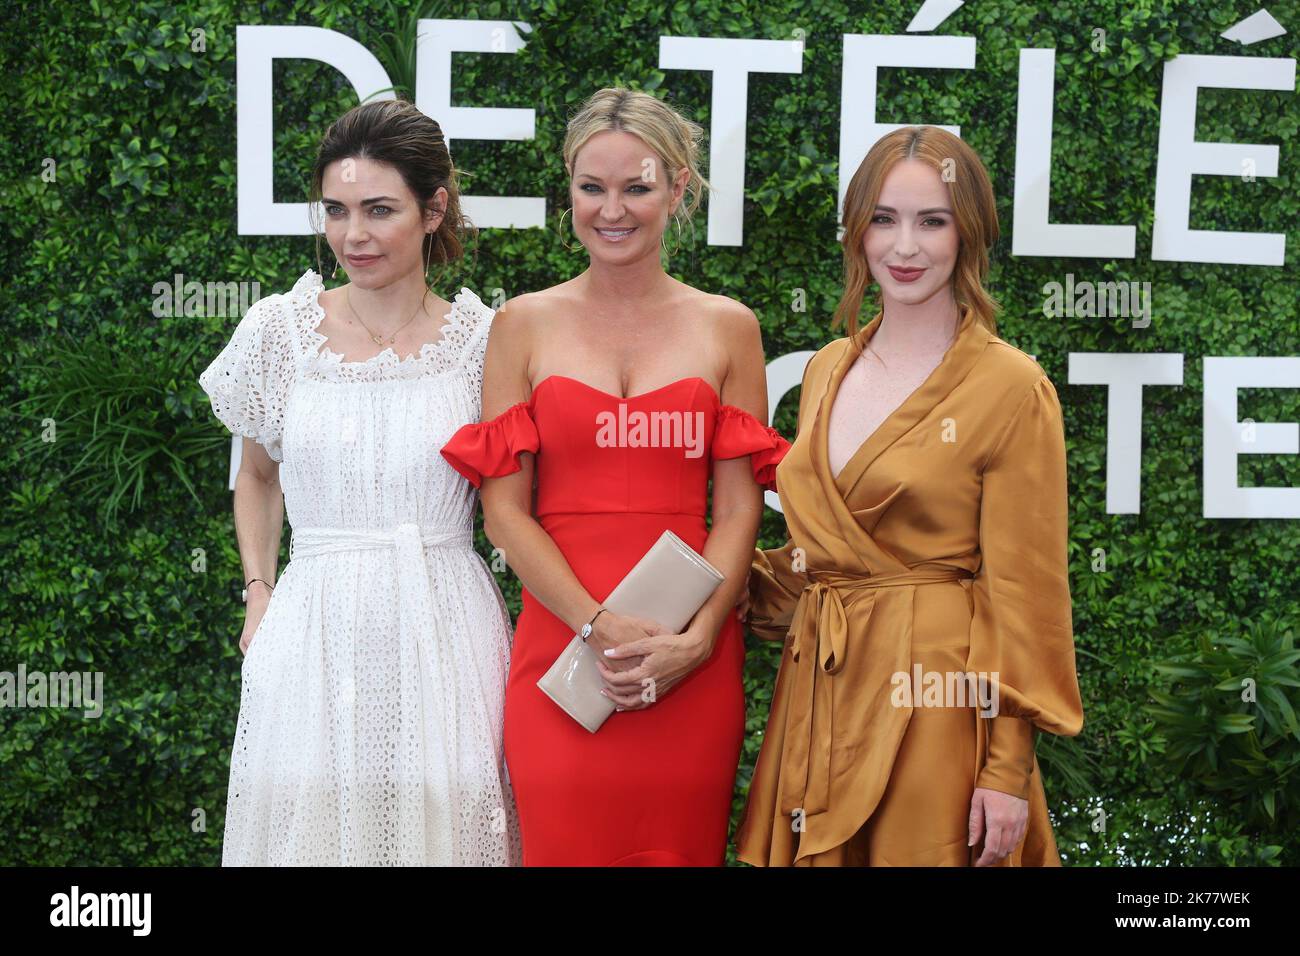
115 422
1067 761
1229 716
397 51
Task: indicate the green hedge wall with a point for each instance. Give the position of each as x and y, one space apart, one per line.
141 129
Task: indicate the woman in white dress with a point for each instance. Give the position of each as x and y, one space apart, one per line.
370 715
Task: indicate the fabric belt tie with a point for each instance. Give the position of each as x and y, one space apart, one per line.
310 542
820 642
410 541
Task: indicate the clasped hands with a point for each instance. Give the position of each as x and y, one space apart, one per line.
641 661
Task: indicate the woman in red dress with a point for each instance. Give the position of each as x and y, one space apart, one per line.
608 402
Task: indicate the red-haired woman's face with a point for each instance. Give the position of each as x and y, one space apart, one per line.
373 222
622 197
911 242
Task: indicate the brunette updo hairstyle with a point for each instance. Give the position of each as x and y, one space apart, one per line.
395 132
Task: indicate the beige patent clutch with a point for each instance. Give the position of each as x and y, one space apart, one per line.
668 585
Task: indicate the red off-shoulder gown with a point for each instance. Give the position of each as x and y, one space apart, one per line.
652 786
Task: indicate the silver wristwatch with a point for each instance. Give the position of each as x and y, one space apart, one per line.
585 631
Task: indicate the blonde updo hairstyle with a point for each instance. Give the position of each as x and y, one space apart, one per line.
670 135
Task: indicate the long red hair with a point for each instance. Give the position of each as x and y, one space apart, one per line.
973 207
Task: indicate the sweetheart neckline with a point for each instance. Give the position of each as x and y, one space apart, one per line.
629 398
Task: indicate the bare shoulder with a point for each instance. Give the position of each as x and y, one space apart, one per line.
728 312
533 307
736 345
733 323
519 315
519 324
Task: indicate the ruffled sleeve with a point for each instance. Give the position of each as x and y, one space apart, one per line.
1022 634
740 433
248 381
492 448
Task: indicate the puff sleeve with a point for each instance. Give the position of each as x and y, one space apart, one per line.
740 433
492 448
777 578
248 382
1022 634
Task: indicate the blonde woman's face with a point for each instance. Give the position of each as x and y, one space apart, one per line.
622 197
373 222
911 243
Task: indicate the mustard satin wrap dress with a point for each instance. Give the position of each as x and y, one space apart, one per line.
940 545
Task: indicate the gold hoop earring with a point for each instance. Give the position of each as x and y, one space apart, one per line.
561 229
676 222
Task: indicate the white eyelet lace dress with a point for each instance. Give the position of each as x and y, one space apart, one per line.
372 693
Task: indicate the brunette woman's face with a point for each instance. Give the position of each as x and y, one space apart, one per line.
373 222
621 197
911 243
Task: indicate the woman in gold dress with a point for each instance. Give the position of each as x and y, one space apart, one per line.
923 596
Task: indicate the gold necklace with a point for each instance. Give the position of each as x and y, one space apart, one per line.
378 340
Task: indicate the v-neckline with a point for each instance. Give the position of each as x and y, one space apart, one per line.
969 341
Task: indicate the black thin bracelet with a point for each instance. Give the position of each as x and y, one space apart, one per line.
255 580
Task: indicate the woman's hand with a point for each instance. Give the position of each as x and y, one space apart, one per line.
664 661
254 609
612 631
1005 818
